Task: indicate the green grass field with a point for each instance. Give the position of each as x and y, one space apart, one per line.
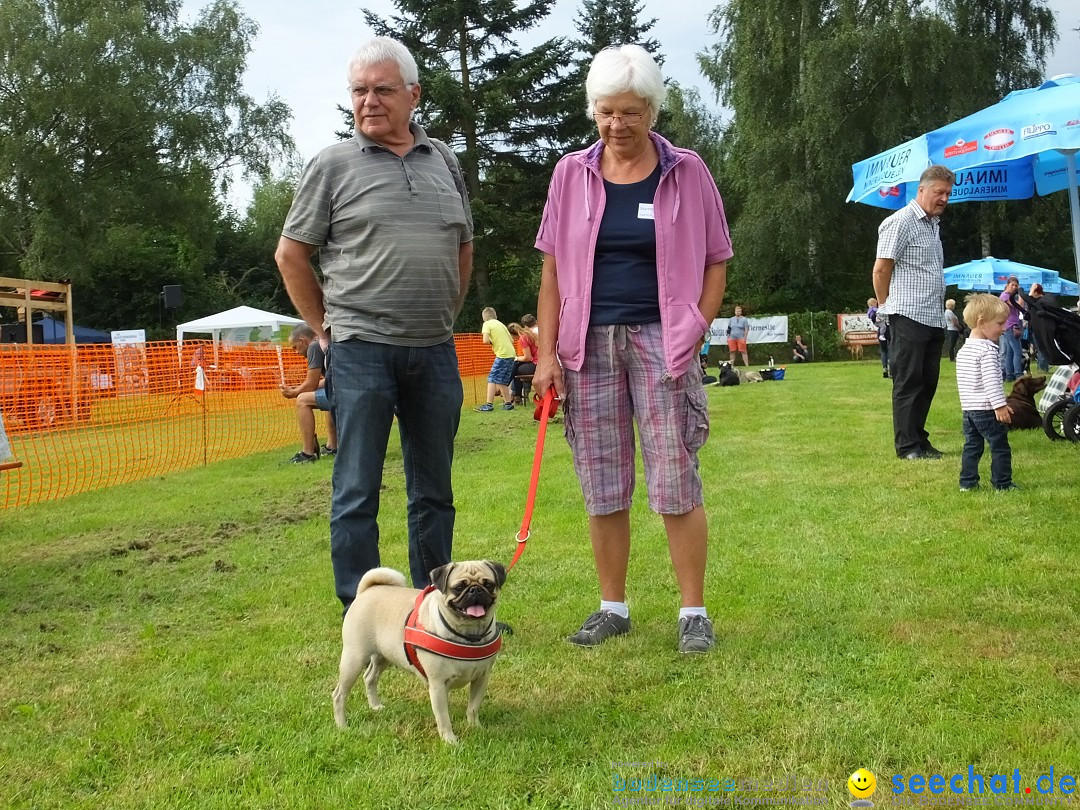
174 642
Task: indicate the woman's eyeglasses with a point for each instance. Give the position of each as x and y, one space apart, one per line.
629 119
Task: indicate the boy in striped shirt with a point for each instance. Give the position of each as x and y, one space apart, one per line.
982 398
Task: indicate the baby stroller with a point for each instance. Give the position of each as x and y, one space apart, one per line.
1056 332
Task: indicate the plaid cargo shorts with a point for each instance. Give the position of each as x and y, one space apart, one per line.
624 381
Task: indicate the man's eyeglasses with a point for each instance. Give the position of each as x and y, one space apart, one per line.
629 119
381 90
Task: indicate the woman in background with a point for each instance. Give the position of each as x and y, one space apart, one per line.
952 328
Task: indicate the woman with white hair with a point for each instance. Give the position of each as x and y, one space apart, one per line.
635 247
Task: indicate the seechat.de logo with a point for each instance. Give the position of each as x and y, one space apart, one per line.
861 785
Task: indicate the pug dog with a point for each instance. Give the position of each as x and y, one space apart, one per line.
461 609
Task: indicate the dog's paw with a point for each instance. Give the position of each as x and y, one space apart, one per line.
449 738
339 718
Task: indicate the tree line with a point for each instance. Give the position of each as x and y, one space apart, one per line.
121 127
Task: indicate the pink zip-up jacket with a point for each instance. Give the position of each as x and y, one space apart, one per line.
691 233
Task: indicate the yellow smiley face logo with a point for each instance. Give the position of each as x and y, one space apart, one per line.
862 784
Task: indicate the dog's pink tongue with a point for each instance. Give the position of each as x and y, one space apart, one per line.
475 610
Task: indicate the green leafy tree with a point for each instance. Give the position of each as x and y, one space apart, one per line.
243 269
817 85
119 126
1008 44
687 122
500 107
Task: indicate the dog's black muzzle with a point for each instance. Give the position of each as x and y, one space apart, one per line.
475 595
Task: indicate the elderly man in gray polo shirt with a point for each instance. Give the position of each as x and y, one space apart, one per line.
910 284
388 213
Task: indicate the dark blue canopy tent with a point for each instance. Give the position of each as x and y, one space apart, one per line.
55 332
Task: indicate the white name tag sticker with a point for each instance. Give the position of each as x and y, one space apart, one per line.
644 211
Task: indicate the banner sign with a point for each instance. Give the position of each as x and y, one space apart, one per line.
128 336
773 329
132 374
857 329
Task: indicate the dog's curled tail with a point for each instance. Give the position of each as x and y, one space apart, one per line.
381 576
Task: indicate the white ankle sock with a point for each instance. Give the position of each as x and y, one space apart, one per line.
618 608
693 611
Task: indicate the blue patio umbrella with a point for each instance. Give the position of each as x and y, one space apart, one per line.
992 274
891 179
1023 145
1061 286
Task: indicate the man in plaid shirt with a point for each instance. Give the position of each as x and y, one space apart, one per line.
910 284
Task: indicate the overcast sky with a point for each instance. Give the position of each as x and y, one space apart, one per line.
302 48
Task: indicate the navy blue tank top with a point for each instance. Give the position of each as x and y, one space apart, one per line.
624 287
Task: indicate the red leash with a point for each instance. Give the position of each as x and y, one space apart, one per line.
545 415
415 635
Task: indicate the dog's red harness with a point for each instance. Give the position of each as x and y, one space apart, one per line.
417 636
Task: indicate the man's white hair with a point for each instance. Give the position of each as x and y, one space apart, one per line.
384 49
621 68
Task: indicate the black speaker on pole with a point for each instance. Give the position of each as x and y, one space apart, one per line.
173 295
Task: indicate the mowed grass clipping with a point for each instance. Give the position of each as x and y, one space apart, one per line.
174 642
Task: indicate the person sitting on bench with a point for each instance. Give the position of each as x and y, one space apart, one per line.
800 352
524 363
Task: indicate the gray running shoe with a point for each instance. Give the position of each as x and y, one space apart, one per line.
695 635
599 627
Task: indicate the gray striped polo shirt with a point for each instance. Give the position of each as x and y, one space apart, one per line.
388 231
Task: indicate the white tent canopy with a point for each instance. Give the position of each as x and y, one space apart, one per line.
233 321
237 325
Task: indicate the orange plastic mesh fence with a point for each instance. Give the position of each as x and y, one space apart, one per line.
86 417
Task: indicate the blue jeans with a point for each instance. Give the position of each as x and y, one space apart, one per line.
1012 355
979 425
370 383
